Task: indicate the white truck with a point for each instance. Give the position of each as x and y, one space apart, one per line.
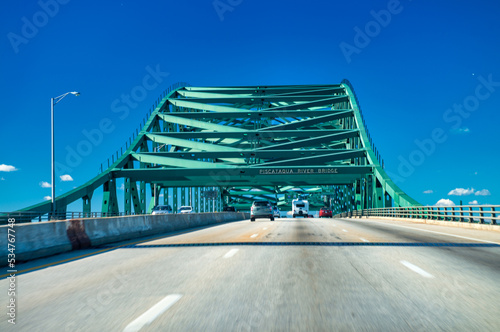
300 208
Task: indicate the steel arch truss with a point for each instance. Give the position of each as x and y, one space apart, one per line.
271 142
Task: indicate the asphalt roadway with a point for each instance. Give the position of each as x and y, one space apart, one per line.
285 275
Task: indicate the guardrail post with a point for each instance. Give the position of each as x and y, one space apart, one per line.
481 215
470 215
493 216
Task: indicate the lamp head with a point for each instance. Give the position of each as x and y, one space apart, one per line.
75 93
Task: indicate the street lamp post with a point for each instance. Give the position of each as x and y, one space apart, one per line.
53 102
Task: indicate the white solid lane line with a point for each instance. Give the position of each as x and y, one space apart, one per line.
255 235
149 316
344 230
231 253
264 228
364 240
416 269
462 237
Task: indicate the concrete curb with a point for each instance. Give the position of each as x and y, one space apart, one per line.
36 240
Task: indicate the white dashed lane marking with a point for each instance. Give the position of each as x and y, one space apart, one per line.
149 316
416 269
231 253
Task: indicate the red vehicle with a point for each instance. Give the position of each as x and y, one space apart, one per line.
325 213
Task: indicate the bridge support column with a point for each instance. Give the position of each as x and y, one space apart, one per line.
142 196
220 199
127 197
378 197
133 193
387 200
207 201
165 196
342 194
109 200
196 199
87 208
183 196
359 195
175 191
370 192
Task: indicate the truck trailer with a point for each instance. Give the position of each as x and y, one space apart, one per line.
300 208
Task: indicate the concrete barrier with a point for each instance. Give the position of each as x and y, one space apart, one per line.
35 240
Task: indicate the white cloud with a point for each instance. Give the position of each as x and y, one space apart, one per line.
428 192
47 198
474 202
484 192
7 168
66 177
460 131
2 179
445 202
44 184
461 192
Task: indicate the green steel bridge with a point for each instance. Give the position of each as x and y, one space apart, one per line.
215 146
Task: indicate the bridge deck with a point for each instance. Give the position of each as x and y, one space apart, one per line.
379 276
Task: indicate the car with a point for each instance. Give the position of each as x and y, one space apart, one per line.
185 209
229 209
261 209
162 209
325 213
276 212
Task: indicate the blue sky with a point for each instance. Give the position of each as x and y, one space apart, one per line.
427 75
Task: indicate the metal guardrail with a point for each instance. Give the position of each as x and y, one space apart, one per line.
481 214
32 216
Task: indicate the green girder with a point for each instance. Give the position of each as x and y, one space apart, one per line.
242 143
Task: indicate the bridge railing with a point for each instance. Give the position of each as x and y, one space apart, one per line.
481 214
33 216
